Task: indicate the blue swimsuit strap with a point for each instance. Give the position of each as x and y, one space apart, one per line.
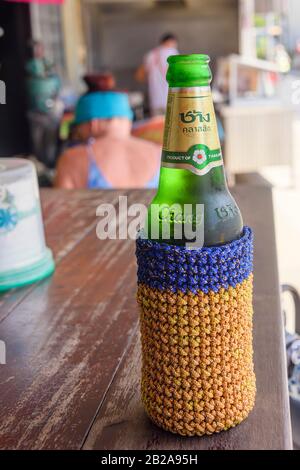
96 179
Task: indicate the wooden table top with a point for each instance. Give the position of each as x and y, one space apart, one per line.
73 356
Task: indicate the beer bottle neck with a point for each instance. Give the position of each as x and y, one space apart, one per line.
191 140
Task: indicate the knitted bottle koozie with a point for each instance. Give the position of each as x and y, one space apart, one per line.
196 331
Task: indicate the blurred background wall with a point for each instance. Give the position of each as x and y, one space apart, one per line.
120 33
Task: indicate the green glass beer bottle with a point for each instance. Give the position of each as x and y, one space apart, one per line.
192 170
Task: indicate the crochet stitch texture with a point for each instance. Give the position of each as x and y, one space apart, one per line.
196 333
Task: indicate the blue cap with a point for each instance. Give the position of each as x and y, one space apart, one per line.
102 105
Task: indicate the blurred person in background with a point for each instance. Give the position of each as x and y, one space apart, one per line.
109 157
282 58
45 108
43 84
154 70
38 65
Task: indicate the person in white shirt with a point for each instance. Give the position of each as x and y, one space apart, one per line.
154 69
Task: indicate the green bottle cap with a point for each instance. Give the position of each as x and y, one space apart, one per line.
189 70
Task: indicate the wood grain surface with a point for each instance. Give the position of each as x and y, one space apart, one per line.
73 356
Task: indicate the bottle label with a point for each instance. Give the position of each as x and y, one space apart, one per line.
191 139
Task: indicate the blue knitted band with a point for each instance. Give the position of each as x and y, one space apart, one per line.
174 268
